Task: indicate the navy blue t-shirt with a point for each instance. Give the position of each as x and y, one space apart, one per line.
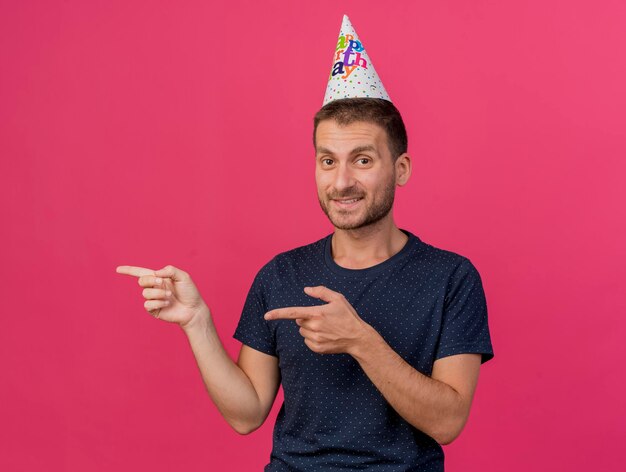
426 302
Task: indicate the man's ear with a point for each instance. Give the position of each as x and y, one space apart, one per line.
403 169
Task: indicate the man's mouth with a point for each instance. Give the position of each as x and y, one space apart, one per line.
347 202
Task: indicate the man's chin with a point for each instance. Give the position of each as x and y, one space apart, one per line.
345 224
340 220
355 221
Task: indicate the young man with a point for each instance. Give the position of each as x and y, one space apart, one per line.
376 336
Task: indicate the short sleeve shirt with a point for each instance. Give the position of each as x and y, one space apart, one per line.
427 303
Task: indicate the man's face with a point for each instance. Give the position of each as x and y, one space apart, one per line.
354 173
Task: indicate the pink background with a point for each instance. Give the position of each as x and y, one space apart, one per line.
152 133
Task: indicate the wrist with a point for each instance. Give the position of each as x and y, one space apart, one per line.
365 342
198 320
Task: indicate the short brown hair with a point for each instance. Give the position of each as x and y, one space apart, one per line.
372 110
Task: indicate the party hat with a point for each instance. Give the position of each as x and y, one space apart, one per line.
352 73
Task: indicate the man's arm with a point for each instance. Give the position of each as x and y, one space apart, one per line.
438 405
243 392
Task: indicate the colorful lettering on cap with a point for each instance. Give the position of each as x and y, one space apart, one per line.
352 73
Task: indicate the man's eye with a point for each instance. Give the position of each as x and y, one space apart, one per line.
366 159
327 161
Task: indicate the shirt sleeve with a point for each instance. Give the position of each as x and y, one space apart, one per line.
253 330
465 328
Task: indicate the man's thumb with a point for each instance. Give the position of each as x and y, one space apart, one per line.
171 272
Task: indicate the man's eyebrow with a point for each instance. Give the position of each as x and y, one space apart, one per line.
356 150
323 150
367 147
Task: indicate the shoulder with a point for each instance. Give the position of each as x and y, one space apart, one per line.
302 252
298 257
444 269
442 261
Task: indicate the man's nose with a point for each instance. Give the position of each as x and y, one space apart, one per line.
344 177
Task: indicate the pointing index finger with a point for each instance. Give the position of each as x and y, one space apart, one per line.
290 313
133 270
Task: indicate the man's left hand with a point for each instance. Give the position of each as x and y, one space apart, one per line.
327 329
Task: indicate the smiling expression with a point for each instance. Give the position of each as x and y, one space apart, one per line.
354 173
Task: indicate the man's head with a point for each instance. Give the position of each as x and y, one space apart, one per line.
372 110
357 160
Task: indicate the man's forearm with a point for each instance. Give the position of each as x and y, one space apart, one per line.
228 385
428 404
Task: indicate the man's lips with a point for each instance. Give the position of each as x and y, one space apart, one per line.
347 202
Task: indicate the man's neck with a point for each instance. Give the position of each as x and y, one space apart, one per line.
368 246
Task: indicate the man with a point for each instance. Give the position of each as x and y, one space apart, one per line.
376 336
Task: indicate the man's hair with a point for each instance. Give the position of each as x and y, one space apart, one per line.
372 110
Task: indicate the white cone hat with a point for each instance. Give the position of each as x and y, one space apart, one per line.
352 73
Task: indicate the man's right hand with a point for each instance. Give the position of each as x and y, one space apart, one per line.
170 293
244 391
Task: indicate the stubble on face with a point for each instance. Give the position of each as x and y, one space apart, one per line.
374 211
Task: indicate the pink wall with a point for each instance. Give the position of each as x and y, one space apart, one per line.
148 133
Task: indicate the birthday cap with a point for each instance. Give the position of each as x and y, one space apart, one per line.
352 73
